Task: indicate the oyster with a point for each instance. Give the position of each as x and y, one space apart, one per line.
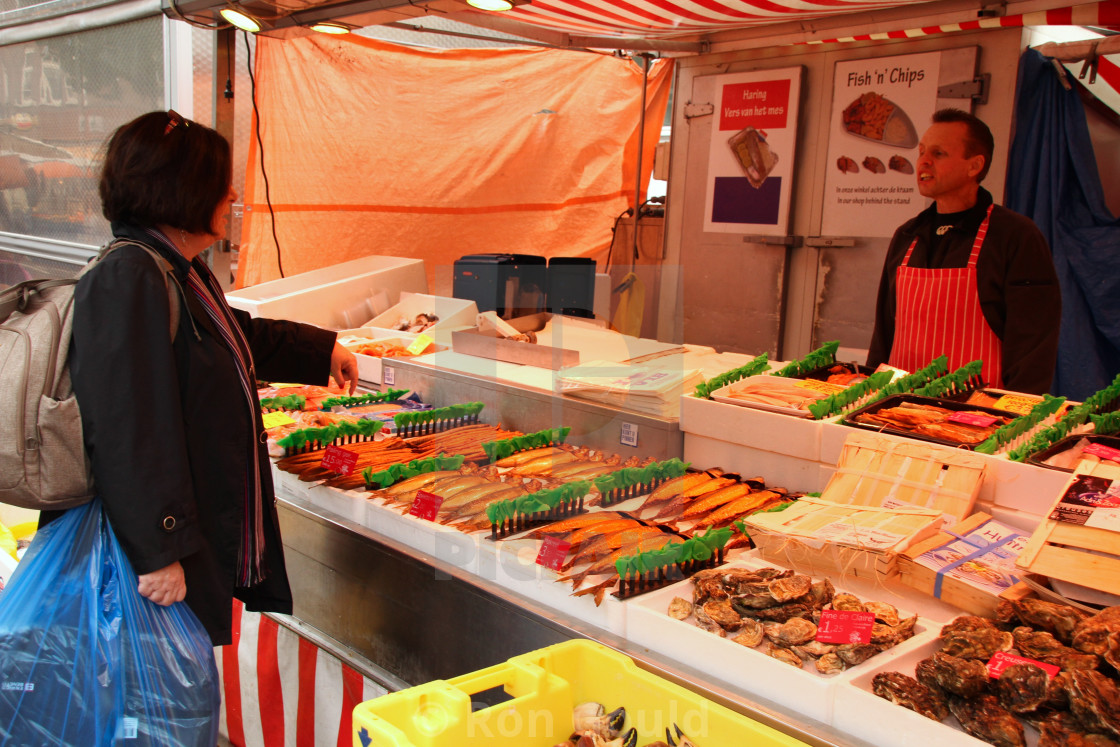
1112 656
772 573
830 663
722 614
707 588
856 653
1005 612
796 631
790 588
783 612
784 654
966 623
905 628
848 602
770 630
1041 645
821 593
680 609
984 718
749 604
963 677
1059 619
1022 688
1091 635
1062 729
706 623
884 613
977 644
909 693
814 649
750 635
1095 700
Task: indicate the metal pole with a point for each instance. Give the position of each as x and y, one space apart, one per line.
645 59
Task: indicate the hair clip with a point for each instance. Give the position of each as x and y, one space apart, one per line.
173 121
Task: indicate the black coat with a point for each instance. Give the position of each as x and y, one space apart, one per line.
168 429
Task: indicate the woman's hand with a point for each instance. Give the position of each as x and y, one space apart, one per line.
344 367
165 586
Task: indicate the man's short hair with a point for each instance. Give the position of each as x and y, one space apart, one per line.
979 141
162 169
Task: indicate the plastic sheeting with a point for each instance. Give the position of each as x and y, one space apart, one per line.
1053 179
374 148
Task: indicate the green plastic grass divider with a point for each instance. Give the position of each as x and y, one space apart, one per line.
542 500
699 547
759 364
362 399
1005 434
397 472
452 412
823 356
287 402
834 404
497 450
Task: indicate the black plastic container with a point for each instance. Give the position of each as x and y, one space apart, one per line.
513 285
571 286
897 399
1039 458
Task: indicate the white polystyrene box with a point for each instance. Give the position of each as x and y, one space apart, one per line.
369 366
452 312
335 297
749 426
778 470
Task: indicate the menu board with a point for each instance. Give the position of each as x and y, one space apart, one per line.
751 157
880 109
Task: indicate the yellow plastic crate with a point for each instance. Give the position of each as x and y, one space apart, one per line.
544 685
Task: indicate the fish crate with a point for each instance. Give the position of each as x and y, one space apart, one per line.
1043 458
1080 539
899 399
527 701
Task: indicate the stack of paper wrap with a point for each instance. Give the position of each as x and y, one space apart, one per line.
652 390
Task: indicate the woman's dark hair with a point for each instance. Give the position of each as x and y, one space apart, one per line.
979 141
162 169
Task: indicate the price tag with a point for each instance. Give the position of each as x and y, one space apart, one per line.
425 505
972 418
1001 660
845 626
1102 451
286 386
276 419
388 376
338 459
628 435
1016 403
816 385
554 551
419 345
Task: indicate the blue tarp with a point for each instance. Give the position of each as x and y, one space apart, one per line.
1053 178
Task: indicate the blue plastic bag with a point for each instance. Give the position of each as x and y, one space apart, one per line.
86 660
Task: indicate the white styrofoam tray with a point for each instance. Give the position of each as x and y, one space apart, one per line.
860 713
752 427
442 542
370 366
779 470
749 670
452 312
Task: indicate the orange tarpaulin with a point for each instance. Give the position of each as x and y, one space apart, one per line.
375 148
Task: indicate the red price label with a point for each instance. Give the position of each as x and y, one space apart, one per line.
845 626
972 418
338 459
554 551
426 505
1102 451
1001 660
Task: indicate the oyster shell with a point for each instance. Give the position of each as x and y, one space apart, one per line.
790 588
907 692
706 623
830 663
966 623
1091 635
750 635
770 630
884 613
1059 619
814 649
848 602
1043 646
984 718
856 653
1095 700
784 654
977 644
749 604
796 631
963 677
1112 656
783 612
1022 688
722 614
821 593
770 573
680 608
1062 729
707 588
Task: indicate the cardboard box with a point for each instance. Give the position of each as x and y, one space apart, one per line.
494 346
334 297
974 595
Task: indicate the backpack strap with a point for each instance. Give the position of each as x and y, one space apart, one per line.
169 278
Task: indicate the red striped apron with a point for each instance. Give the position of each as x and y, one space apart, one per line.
938 312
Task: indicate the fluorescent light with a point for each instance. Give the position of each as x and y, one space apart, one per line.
326 27
241 20
491 4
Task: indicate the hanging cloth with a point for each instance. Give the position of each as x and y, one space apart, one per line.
937 312
1053 179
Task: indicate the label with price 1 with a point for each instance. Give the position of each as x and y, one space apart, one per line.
845 626
339 460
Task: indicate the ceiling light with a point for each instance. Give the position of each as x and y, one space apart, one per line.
241 19
328 27
496 5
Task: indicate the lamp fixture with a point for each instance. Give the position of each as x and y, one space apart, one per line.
492 5
331 27
240 19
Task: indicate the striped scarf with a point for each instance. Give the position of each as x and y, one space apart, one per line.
206 288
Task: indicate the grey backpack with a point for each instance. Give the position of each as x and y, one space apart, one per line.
43 461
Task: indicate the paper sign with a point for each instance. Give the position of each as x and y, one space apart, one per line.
628 434
1001 660
1102 451
426 505
286 386
1016 403
388 376
419 345
816 385
554 551
1087 501
338 459
276 419
972 418
845 626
